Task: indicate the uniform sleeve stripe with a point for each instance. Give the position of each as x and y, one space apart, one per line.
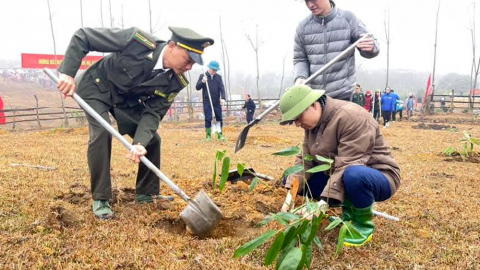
143 40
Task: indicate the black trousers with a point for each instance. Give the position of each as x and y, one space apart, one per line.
249 117
386 116
99 154
207 110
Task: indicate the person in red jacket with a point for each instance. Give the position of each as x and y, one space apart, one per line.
368 101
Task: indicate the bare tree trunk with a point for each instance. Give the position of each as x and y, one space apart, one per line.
36 109
150 15
256 48
101 12
434 58
475 66
55 57
387 36
14 124
224 61
123 25
283 75
111 18
81 12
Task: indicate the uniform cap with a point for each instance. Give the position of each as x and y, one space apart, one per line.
190 40
296 100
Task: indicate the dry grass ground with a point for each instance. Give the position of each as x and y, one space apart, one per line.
46 220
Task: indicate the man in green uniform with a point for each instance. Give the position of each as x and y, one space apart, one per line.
136 83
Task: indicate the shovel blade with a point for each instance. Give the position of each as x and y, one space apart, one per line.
242 138
203 220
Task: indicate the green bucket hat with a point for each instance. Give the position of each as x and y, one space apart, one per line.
296 100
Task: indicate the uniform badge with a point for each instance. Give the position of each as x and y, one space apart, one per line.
172 96
150 56
142 39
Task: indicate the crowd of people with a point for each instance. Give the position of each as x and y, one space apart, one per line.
386 104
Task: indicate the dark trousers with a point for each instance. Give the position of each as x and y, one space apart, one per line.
376 114
394 114
249 117
207 110
363 185
386 117
99 154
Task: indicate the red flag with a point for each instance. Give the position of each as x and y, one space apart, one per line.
429 88
2 114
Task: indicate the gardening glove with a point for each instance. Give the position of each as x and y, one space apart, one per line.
299 81
292 192
137 151
204 79
222 102
289 180
66 85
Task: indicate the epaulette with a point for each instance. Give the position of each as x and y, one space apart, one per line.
182 80
142 39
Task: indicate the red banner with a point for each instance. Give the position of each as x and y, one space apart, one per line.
2 115
48 60
429 89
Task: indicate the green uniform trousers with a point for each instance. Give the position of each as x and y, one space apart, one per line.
99 154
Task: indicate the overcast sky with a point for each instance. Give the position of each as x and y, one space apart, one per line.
25 28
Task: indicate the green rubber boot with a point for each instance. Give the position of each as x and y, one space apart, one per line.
102 210
220 137
362 221
209 134
347 210
141 199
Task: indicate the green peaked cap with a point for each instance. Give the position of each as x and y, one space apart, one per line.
296 100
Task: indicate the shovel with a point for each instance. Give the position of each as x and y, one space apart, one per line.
201 215
216 128
243 135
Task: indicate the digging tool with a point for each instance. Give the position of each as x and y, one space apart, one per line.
216 128
248 173
201 215
291 196
242 137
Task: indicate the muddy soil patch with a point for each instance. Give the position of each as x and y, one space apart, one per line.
433 126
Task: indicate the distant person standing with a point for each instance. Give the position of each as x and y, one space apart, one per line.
368 101
399 108
357 96
376 105
250 106
396 97
323 35
410 105
388 107
216 97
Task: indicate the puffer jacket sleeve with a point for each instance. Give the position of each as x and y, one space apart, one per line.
300 57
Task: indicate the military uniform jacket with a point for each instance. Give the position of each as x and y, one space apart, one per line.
124 79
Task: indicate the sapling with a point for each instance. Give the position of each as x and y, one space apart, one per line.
222 157
292 246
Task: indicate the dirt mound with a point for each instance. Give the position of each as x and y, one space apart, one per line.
77 194
61 216
433 126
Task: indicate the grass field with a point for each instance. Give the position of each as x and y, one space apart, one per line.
46 220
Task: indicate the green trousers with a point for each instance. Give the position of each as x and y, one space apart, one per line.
99 154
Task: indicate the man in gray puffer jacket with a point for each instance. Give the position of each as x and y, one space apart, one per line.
323 35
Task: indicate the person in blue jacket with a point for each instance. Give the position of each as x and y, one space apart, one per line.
397 98
388 106
217 93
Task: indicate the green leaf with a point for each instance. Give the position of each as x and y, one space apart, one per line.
319 168
254 183
309 251
220 154
289 236
274 249
214 181
341 239
292 170
315 224
307 157
291 151
465 133
292 260
265 221
288 216
303 227
281 220
312 207
225 169
475 141
240 168
304 258
285 251
323 159
334 224
351 230
250 246
306 234
317 241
